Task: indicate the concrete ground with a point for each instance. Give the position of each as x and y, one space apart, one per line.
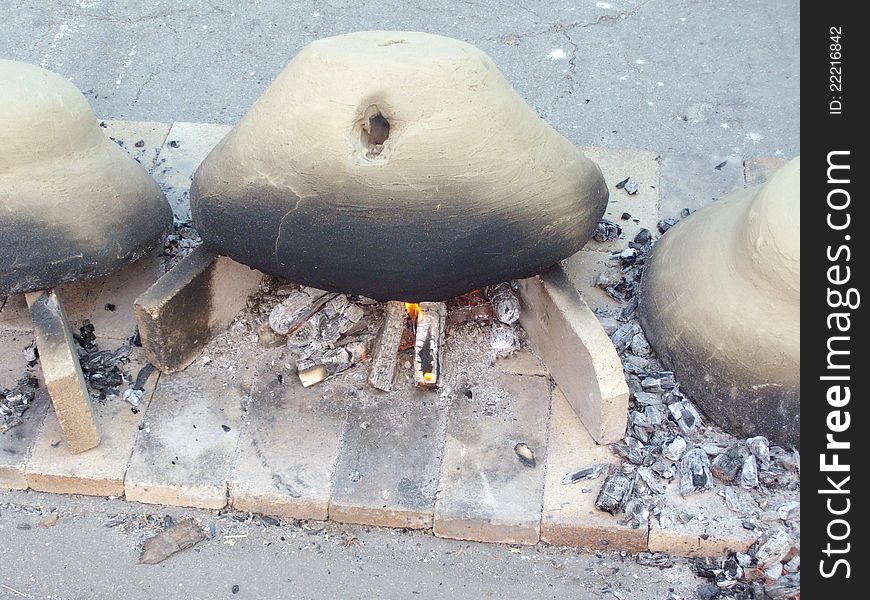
693 76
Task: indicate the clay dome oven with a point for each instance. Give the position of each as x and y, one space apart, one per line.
395 165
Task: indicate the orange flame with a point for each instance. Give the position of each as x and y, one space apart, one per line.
429 377
413 310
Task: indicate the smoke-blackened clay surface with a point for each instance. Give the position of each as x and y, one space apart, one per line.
396 165
73 205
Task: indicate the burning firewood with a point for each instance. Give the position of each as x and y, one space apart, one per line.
431 320
384 356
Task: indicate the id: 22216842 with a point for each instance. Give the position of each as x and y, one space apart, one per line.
835 71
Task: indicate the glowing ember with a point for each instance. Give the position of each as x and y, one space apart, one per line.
429 377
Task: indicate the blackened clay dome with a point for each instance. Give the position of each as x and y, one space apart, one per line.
73 205
396 165
720 303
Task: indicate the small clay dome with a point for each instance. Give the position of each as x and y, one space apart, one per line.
720 304
396 165
73 205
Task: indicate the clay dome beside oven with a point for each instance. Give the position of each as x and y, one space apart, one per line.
399 166
73 205
720 303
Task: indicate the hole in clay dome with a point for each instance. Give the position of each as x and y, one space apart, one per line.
374 134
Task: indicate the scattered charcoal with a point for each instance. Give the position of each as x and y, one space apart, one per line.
639 345
636 365
704 567
708 591
686 416
139 144
788 510
606 231
666 379
666 224
655 559
760 448
749 473
656 415
729 574
143 375
174 144
86 337
744 560
614 492
16 401
622 183
695 472
180 536
643 237
652 384
648 399
593 472
631 187
675 449
662 469
712 448
774 550
732 501
525 454
627 257
637 513
686 212
637 452
786 588
503 339
727 465
235 588
504 302
625 216
629 310
638 419
622 336
646 474
179 243
748 525
721 165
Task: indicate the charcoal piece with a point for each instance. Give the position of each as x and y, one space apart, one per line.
614 492
662 469
727 465
787 587
656 415
503 339
287 316
731 572
774 550
628 311
648 399
621 184
686 415
625 216
708 591
637 452
652 384
788 510
732 501
631 187
643 237
606 231
794 564
695 472
666 224
759 446
646 474
505 302
641 347
637 512
655 559
593 472
16 401
704 567
176 538
749 473
622 336
674 449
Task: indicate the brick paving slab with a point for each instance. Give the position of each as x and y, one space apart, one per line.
15 315
692 181
141 140
112 313
99 471
185 447
485 493
287 450
389 461
186 145
569 515
16 444
643 167
582 270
